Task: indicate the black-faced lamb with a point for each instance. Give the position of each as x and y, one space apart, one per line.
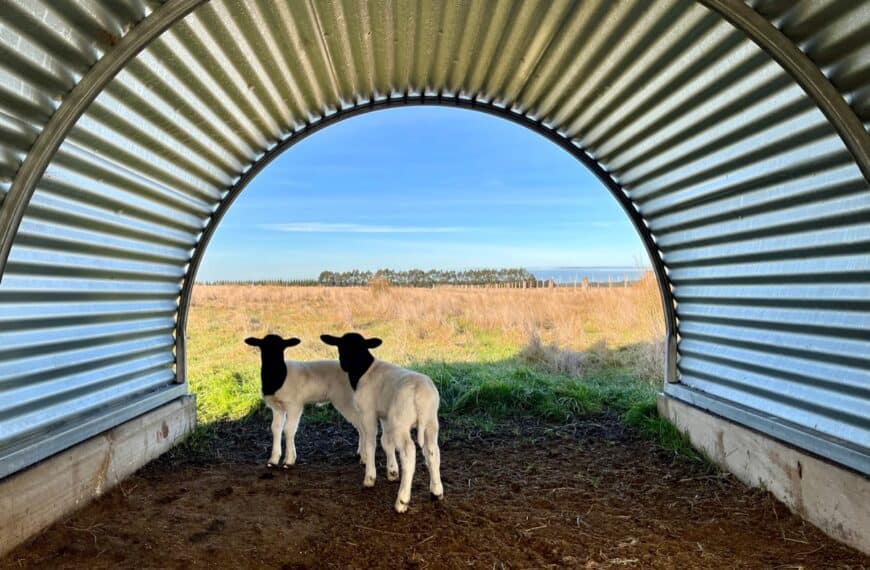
401 399
288 385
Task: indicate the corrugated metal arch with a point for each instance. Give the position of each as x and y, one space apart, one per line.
72 107
753 195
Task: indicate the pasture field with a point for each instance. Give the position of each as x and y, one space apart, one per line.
493 352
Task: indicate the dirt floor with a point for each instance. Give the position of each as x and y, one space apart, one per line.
591 494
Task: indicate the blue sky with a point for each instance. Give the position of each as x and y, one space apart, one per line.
420 187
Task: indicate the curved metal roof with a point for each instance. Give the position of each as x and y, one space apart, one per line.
733 134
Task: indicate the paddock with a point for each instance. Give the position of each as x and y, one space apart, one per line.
733 135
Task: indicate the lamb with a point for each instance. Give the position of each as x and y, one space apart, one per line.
401 399
288 385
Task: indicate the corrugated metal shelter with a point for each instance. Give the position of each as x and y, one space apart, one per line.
733 134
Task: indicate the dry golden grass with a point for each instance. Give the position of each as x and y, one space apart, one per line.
448 324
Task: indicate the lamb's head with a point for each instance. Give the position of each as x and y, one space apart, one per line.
273 370
353 353
272 344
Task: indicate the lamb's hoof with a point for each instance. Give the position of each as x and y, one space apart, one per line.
271 465
435 497
392 475
401 506
287 465
369 482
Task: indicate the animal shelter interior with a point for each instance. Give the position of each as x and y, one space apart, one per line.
733 135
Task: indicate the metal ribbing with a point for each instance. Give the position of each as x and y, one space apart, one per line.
90 288
834 35
745 189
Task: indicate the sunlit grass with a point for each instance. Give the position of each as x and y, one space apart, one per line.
226 394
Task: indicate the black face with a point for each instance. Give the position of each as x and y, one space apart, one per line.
273 371
353 353
272 343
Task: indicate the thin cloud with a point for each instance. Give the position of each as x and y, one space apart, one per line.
324 227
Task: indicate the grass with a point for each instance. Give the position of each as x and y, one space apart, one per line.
501 389
645 417
493 353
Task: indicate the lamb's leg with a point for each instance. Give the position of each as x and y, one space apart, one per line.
433 462
408 455
277 425
390 450
370 434
293 415
347 409
360 447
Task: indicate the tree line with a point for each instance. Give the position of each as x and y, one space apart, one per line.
279 282
428 278
507 277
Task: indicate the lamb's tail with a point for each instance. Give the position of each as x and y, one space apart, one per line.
426 402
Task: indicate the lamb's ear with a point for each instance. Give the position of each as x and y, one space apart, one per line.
373 342
291 342
329 339
253 341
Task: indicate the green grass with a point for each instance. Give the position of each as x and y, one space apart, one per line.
504 388
492 389
645 417
226 394
477 394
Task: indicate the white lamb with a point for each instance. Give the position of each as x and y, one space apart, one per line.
401 399
289 385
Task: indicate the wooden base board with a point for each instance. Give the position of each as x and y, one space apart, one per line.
33 499
831 497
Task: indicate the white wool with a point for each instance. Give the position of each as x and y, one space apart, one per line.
401 399
316 381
